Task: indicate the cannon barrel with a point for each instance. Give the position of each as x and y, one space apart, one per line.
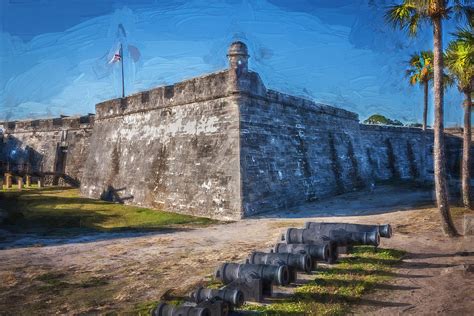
325 251
384 230
232 296
299 261
164 309
229 272
340 236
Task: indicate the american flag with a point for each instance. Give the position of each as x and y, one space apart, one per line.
116 57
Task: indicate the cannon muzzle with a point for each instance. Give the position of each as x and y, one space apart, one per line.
234 297
164 309
300 262
384 230
229 272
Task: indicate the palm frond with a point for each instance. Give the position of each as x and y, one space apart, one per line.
448 80
465 35
459 61
403 17
413 24
461 10
420 67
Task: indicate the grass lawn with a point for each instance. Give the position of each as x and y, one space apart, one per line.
335 288
61 211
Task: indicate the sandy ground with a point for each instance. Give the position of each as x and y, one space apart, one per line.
437 275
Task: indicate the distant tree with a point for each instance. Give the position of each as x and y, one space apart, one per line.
396 123
378 119
420 72
418 125
409 15
459 58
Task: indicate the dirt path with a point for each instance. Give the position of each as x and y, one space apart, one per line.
100 276
436 276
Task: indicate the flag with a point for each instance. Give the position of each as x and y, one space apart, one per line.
134 53
117 57
104 65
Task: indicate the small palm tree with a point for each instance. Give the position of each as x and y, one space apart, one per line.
409 15
460 63
420 72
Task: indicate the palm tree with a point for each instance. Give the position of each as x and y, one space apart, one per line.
420 72
408 16
460 63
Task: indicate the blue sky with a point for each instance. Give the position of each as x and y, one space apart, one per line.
53 53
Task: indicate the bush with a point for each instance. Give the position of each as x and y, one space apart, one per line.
378 119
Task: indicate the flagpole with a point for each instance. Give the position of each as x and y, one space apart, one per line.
121 61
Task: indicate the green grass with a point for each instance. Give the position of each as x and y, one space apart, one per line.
61 211
336 288
53 282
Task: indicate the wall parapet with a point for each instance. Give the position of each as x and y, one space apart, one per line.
49 124
209 87
204 88
392 129
287 99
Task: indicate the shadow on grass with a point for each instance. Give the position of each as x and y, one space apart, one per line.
335 282
336 289
439 255
382 273
330 298
57 216
405 264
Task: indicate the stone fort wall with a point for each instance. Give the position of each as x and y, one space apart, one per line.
57 145
174 148
224 146
294 150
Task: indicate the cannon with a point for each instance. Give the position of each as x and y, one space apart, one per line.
325 251
301 262
294 262
384 230
254 280
234 297
216 307
339 236
229 272
164 309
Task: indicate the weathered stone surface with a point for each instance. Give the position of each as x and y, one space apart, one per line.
41 144
293 151
397 152
221 146
468 224
171 155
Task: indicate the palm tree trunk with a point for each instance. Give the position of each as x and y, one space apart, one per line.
466 152
441 187
425 105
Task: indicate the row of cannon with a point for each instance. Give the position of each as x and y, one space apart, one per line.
298 250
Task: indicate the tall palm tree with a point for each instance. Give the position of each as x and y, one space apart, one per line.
408 15
460 63
420 72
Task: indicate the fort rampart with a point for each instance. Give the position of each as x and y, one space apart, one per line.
222 146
